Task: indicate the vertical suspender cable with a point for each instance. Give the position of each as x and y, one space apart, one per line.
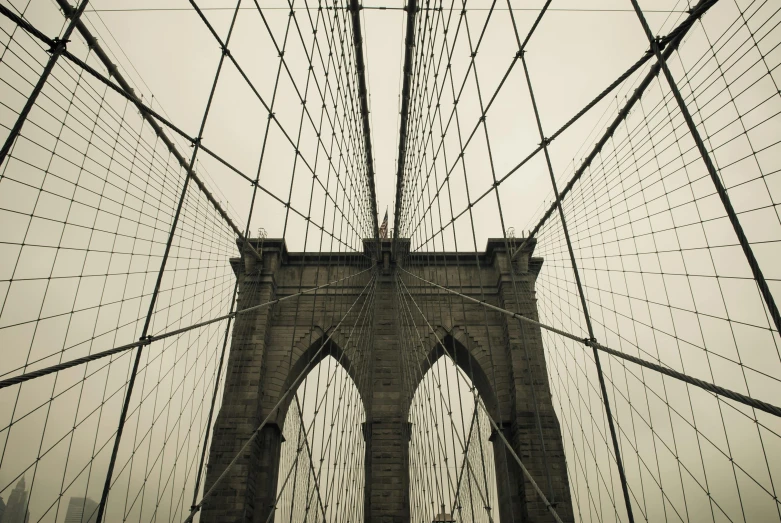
158 283
582 295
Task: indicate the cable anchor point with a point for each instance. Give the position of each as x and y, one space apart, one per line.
58 45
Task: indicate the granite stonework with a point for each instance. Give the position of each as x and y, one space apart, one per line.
272 345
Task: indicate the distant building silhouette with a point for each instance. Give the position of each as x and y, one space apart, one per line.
81 510
444 517
16 509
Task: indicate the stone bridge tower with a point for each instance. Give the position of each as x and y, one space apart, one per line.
272 345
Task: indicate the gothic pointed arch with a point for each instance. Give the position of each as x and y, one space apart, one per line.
452 465
468 355
322 448
311 349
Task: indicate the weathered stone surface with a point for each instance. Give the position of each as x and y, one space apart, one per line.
273 346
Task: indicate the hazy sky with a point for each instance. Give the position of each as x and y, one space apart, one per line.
665 279
178 66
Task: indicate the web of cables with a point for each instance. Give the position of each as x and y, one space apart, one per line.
119 289
116 256
636 247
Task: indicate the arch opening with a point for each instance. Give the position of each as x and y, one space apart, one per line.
452 470
319 345
321 465
460 356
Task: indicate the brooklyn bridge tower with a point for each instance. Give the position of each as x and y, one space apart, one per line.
408 327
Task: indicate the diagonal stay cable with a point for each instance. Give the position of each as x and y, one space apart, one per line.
124 89
293 466
58 46
152 338
710 387
309 458
329 381
446 404
159 279
253 88
677 36
493 97
326 89
714 174
207 433
152 117
197 507
461 374
669 43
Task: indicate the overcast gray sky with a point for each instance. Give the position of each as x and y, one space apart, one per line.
178 66
664 277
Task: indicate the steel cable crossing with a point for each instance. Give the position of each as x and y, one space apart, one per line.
717 77
631 252
481 445
345 190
